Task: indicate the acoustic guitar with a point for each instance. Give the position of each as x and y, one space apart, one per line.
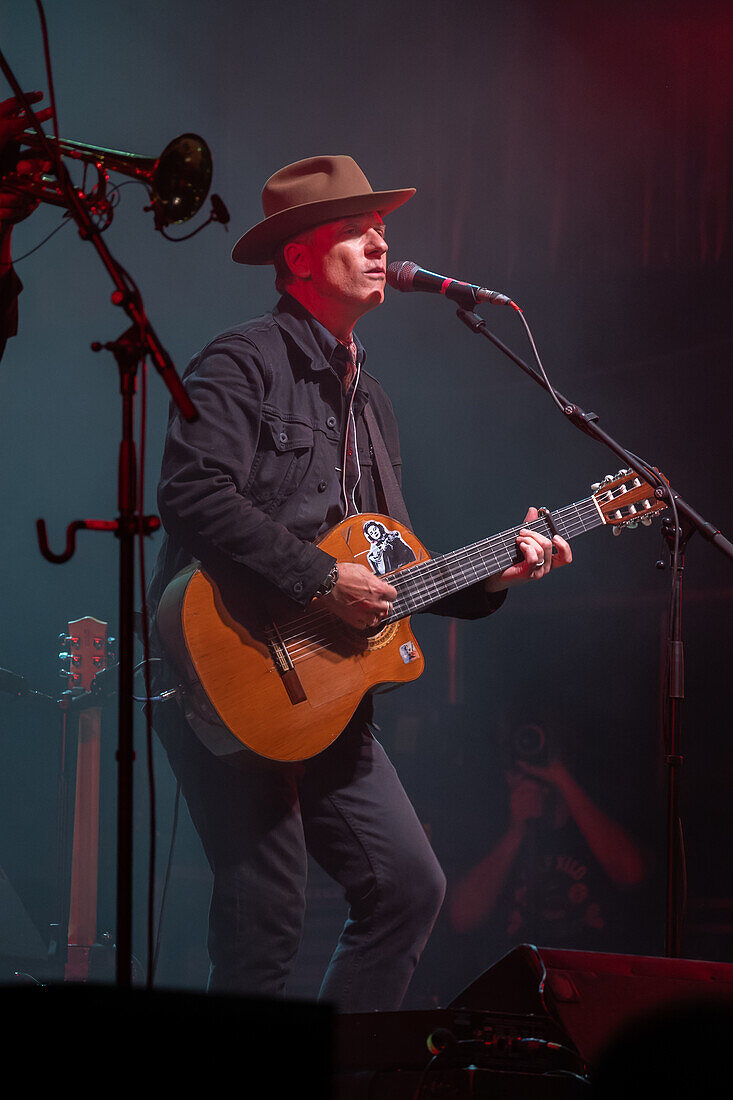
285 684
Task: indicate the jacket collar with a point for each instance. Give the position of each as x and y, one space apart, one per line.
320 345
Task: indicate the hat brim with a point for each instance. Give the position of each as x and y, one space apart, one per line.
260 243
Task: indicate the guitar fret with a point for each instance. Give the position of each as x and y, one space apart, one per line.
424 584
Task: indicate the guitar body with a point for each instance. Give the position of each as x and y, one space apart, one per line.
285 685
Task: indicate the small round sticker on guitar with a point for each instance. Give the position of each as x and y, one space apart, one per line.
388 550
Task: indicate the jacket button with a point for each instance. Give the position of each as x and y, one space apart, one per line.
331 422
283 437
298 587
322 486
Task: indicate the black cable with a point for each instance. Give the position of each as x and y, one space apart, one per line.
51 146
550 387
62 223
474 1048
186 236
51 90
166 880
673 625
646 468
145 625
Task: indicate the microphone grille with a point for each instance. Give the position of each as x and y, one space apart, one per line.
400 274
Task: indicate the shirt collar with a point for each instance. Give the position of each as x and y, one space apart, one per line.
320 345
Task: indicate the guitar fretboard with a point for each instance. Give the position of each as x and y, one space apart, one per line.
419 586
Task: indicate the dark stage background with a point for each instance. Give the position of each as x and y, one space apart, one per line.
574 155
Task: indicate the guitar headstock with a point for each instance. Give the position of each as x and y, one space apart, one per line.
85 651
626 499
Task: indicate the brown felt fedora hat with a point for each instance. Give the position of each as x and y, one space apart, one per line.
307 193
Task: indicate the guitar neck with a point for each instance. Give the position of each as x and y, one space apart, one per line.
419 586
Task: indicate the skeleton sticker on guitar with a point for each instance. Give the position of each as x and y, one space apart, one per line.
388 550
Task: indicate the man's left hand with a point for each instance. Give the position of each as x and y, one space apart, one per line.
538 558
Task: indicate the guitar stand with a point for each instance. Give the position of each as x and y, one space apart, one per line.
128 351
138 341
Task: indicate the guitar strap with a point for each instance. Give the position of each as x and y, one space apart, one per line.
387 482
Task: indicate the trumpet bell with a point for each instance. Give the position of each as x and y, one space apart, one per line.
181 179
178 180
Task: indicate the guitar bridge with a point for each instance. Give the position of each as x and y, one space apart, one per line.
284 665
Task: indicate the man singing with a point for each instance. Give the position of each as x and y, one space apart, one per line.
281 452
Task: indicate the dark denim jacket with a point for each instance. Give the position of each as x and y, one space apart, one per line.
248 488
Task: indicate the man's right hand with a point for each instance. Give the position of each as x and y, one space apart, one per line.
359 597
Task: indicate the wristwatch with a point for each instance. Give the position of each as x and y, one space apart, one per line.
329 581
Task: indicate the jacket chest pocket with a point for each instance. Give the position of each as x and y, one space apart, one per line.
284 454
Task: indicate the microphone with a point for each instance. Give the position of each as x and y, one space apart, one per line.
219 212
405 275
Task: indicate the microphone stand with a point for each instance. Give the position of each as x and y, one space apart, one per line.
130 350
677 532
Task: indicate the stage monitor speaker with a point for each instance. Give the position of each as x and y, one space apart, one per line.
592 995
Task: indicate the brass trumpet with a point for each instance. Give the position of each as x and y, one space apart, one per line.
178 180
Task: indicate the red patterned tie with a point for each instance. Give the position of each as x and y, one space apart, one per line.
350 372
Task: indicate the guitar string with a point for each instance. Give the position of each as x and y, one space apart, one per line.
327 634
427 579
425 592
504 541
425 583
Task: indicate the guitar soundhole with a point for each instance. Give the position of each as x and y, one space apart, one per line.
380 636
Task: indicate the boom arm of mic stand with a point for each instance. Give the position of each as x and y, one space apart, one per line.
122 296
587 422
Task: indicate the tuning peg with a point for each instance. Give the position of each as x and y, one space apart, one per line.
595 486
632 524
617 531
608 477
647 521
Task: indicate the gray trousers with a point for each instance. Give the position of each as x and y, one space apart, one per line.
258 819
